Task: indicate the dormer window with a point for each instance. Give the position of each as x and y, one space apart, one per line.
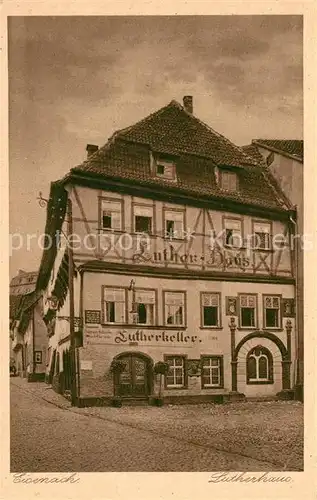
229 180
160 169
164 168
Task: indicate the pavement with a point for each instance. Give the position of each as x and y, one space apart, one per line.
49 435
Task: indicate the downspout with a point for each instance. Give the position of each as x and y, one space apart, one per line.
71 303
33 338
295 373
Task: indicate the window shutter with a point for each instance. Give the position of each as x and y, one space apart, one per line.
143 211
145 297
175 216
233 224
116 220
174 299
262 228
114 295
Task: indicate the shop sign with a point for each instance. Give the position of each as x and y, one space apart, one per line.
217 258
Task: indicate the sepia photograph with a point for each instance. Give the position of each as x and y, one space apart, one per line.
156 218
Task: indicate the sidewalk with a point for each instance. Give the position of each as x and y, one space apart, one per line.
43 391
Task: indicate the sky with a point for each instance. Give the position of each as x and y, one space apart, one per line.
75 80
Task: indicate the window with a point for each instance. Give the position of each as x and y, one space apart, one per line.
160 169
233 234
211 375
111 214
229 180
175 377
174 224
210 309
272 311
259 366
262 235
165 169
114 305
248 311
38 356
174 308
145 306
143 217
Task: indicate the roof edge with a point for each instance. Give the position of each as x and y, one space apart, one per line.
278 151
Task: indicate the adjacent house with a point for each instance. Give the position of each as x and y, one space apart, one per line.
170 244
27 330
284 159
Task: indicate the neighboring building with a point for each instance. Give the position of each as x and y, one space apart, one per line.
284 159
164 268
28 335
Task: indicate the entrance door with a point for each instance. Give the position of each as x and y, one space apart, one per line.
133 380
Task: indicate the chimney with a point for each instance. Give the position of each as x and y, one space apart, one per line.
91 149
188 103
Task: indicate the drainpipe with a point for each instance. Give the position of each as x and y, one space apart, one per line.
33 338
71 303
296 254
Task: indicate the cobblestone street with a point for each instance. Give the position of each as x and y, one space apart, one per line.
48 435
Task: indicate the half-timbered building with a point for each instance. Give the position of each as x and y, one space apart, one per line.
176 247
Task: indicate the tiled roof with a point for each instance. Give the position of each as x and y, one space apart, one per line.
292 147
20 305
252 150
23 283
15 302
196 150
173 130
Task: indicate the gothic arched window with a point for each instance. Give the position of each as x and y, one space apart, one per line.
259 366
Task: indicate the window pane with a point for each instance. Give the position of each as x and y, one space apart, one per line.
262 240
120 312
247 316
110 312
210 316
215 378
263 367
170 228
272 318
142 313
143 224
251 367
178 361
106 220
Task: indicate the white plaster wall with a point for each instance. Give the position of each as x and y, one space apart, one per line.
252 390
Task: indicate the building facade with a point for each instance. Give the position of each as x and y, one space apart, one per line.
28 334
285 160
179 245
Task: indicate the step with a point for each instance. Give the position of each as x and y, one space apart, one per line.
135 401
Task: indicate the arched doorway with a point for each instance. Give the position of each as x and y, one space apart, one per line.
136 380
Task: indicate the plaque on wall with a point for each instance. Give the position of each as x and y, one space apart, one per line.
288 308
93 317
231 306
194 367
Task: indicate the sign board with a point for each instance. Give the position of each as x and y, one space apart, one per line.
85 364
93 316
